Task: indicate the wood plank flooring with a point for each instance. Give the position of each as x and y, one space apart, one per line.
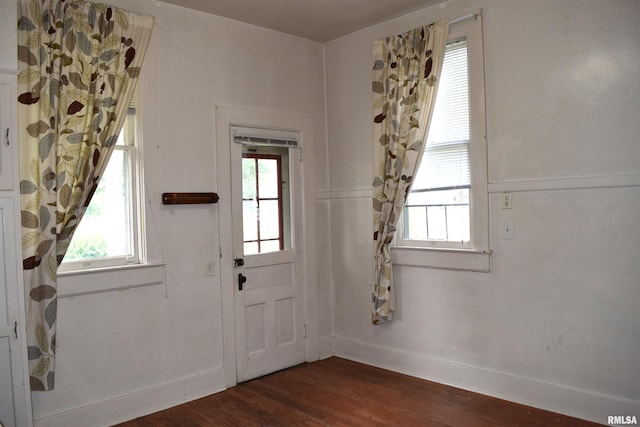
338 392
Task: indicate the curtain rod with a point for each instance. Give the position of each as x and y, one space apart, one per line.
473 15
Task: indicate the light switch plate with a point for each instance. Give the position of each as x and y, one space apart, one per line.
507 231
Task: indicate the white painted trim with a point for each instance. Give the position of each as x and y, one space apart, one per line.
309 254
9 123
568 183
225 117
322 195
326 347
448 259
569 401
84 282
573 183
225 238
139 403
356 193
479 199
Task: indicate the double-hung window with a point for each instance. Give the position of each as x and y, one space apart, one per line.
109 233
447 206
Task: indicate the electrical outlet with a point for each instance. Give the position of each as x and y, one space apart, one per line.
507 231
506 200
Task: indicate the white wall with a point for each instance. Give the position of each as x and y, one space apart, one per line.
8 45
122 353
555 323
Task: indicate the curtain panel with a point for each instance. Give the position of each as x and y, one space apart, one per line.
406 69
78 67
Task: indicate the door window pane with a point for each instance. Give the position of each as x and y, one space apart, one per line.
249 220
250 248
269 246
269 219
268 178
263 188
248 178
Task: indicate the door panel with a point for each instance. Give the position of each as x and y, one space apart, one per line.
269 275
285 319
256 338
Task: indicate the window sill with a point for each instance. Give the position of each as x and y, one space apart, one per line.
85 282
448 259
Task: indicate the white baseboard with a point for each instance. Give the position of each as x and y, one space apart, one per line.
326 347
139 403
573 402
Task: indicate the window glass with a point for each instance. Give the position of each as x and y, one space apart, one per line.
248 178
270 219
269 246
437 207
108 234
105 229
265 198
269 185
250 217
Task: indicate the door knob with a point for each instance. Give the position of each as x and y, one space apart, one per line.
241 279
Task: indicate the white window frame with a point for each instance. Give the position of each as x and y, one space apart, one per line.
422 252
132 147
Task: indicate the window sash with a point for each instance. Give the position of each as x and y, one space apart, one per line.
443 181
127 144
264 241
444 166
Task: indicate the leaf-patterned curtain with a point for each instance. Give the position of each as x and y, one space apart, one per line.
78 66
406 69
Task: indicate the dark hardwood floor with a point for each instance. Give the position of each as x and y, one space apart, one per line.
338 392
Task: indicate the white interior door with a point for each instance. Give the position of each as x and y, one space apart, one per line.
266 206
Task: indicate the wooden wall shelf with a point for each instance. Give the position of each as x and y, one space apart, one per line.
189 198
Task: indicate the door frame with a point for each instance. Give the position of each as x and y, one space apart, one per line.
225 118
11 269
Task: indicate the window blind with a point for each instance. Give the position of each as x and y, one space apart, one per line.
264 137
445 163
273 142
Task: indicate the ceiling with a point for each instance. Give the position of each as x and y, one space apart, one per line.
319 20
